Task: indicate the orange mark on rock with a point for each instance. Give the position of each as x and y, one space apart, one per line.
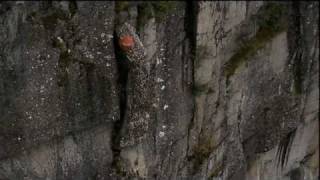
126 42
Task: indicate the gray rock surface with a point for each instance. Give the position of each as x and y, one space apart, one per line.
224 90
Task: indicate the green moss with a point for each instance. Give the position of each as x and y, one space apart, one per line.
118 167
198 90
249 49
201 152
64 62
146 12
271 16
65 59
73 7
121 6
50 21
162 8
271 22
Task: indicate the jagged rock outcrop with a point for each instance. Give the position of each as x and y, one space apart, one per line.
212 90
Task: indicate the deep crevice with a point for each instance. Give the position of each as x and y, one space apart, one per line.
192 8
73 7
284 149
122 65
295 47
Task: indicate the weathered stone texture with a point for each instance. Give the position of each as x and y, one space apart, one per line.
224 90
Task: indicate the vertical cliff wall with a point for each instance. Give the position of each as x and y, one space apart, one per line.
216 90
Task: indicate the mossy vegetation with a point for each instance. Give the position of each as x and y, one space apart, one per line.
65 60
248 50
271 16
145 12
73 7
119 168
157 9
51 20
121 6
163 8
198 90
271 20
201 152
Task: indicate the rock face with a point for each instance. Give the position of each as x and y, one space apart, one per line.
224 90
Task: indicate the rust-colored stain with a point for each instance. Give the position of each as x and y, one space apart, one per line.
126 42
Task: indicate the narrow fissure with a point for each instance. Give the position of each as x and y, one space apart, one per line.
295 49
73 7
122 63
284 149
191 33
